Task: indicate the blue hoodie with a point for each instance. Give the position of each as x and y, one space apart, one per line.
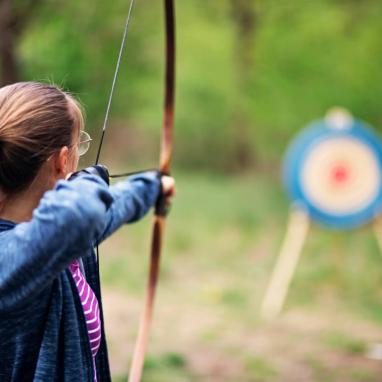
43 334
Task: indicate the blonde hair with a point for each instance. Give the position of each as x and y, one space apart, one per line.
36 120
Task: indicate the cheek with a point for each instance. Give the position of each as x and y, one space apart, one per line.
73 161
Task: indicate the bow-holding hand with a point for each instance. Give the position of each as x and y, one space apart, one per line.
168 186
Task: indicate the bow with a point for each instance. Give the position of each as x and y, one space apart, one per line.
164 167
159 217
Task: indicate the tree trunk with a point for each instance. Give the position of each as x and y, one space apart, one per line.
13 21
8 60
244 16
8 44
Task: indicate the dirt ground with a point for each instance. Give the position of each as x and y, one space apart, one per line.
301 345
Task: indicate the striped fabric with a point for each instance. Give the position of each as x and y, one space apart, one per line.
91 310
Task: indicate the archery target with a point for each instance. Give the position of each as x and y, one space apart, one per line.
340 175
336 174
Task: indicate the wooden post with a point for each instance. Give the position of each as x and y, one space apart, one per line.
283 272
377 228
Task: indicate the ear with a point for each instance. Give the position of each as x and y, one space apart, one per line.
60 163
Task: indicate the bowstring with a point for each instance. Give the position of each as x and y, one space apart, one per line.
111 95
107 114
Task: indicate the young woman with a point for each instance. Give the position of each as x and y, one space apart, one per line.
51 326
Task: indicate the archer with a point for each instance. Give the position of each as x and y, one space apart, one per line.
51 324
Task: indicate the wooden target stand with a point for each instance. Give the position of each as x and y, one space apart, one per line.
333 174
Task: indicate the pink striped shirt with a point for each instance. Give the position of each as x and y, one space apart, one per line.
91 310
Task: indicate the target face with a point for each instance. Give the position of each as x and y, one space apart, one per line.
336 174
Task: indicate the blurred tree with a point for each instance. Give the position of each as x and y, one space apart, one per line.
14 17
250 73
245 21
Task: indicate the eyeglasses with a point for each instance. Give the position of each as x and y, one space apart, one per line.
84 143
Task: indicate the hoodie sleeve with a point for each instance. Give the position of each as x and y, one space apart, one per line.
132 199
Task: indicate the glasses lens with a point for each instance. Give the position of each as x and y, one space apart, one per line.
84 144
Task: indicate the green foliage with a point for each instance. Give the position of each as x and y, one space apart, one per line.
306 57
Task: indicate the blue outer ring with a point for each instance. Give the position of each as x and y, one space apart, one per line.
295 158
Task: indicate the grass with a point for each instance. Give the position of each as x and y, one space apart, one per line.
320 371
343 342
221 241
363 375
260 370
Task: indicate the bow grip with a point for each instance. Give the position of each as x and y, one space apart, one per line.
162 206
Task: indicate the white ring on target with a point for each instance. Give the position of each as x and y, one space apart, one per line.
341 175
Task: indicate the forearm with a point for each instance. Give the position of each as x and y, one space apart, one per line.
132 199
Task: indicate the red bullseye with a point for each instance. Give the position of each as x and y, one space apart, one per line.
340 174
